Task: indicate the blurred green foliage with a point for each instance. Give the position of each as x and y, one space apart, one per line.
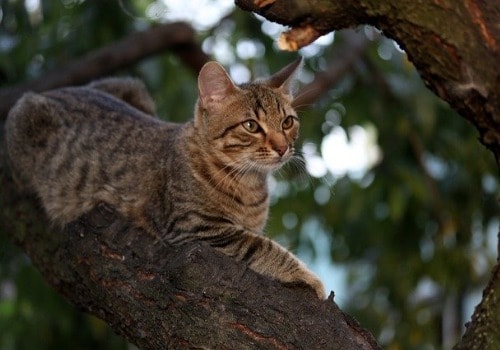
413 232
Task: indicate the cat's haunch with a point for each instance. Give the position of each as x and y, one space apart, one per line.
202 180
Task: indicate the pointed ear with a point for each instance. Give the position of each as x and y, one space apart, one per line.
285 78
214 84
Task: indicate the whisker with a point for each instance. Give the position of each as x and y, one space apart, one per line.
235 170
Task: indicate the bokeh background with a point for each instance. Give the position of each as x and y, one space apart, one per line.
395 207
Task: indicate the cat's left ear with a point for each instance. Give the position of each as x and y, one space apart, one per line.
214 84
285 78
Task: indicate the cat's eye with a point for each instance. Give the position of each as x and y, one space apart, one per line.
288 122
251 126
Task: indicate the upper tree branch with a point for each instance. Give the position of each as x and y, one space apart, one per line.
177 37
453 44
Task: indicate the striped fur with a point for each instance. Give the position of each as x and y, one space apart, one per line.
203 180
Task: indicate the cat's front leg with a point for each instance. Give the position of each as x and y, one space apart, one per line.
268 258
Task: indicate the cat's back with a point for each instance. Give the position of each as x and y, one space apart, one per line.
45 123
75 145
85 104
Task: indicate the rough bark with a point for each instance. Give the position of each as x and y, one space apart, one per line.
482 331
160 297
454 46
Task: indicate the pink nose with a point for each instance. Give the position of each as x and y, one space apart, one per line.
280 149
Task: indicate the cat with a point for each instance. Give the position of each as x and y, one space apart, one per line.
205 180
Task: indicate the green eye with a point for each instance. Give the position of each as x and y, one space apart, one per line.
251 126
288 122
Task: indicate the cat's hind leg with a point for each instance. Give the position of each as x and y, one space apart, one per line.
29 125
130 90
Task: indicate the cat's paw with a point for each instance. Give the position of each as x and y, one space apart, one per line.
304 276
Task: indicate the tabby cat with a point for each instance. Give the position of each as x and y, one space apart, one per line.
203 180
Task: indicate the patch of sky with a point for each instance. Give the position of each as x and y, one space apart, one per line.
202 14
332 276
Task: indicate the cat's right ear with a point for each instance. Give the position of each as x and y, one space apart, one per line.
214 84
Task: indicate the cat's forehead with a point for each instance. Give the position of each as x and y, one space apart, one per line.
259 96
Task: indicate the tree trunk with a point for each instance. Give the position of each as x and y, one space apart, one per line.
454 46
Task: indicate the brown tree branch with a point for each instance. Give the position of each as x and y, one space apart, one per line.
161 297
176 37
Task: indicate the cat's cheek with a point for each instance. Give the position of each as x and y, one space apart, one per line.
293 135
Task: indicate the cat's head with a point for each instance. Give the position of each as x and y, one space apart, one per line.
251 125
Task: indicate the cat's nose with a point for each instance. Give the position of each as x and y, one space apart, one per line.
280 149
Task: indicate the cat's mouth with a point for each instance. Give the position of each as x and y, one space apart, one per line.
271 163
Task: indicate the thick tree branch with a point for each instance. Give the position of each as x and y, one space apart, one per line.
161 297
177 37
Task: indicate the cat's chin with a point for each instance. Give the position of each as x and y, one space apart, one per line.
270 166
